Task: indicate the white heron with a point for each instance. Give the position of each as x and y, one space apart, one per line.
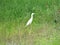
30 20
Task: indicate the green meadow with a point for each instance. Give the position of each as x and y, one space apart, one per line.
44 30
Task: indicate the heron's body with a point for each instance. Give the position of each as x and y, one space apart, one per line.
30 20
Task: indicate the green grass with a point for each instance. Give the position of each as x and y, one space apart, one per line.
44 30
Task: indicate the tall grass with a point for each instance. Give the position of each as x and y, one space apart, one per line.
44 30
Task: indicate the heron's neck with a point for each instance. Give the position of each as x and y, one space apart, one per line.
31 16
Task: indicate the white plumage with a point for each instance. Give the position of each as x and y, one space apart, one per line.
30 20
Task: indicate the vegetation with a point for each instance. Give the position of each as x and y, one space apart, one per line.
44 30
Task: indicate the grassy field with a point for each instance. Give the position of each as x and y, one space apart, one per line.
44 30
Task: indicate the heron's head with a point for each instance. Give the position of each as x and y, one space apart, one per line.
32 14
